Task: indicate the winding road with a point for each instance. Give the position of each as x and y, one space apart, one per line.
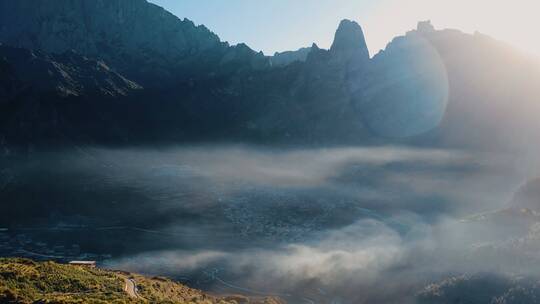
130 288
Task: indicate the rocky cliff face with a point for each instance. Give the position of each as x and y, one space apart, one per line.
312 93
44 97
206 87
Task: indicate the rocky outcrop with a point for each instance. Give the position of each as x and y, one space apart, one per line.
349 47
67 74
45 97
313 93
425 27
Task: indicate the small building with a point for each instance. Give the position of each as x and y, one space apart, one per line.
91 264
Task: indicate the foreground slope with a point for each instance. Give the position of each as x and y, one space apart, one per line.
26 281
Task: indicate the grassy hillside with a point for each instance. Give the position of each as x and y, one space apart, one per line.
26 281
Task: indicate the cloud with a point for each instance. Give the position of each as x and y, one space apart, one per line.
270 167
350 224
165 261
367 261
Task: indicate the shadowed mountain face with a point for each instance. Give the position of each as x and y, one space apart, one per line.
38 87
454 88
405 91
141 40
493 92
430 87
67 74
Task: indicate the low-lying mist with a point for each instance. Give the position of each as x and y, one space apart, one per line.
336 225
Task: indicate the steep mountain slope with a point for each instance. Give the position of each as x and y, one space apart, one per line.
300 101
310 100
405 91
67 74
463 90
41 93
494 92
139 39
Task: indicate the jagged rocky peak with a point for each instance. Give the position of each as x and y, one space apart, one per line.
317 55
241 55
288 57
425 27
350 43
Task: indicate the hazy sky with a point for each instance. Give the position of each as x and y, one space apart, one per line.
277 25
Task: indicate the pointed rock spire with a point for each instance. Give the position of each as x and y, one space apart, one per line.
349 44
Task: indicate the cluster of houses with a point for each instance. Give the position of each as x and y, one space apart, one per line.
91 264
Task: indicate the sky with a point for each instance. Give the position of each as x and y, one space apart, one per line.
279 25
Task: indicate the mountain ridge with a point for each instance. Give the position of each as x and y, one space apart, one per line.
428 87
139 39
